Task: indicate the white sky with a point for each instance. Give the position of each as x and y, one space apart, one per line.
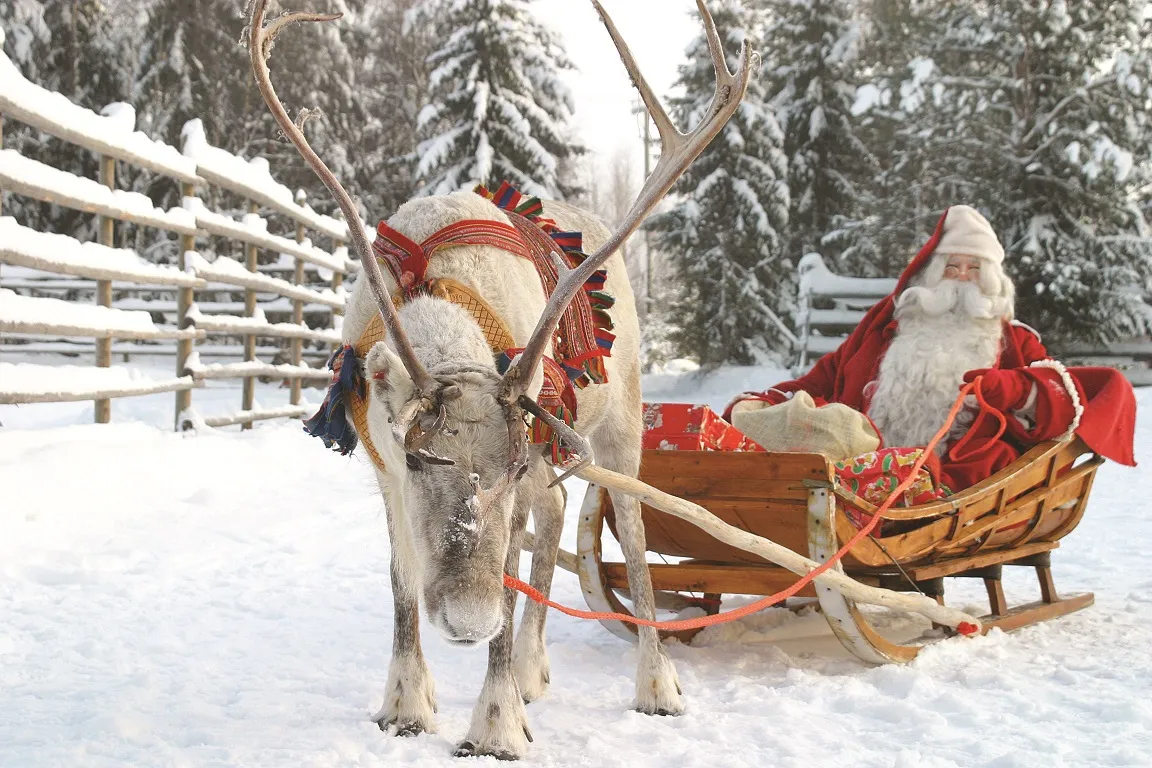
657 31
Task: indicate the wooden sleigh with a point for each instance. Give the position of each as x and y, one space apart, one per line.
1014 518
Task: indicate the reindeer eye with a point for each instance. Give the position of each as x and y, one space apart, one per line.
414 463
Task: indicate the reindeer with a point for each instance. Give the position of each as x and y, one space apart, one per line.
461 477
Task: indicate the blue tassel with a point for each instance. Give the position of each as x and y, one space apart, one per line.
330 423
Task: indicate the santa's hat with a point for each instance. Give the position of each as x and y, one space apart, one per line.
968 233
961 230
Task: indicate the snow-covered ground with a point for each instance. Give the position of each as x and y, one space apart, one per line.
222 599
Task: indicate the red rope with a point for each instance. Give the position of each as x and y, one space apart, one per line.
963 628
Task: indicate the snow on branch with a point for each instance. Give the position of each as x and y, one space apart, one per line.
28 383
64 255
54 114
253 180
226 271
33 179
48 317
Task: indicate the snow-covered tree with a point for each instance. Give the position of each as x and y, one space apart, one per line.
810 75
401 36
497 108
1046 122
898 202
191 66
725 236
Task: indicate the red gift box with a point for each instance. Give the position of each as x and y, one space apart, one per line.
685 427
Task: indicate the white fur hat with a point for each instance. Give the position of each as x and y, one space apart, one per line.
968 233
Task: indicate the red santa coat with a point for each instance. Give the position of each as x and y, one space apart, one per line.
995 439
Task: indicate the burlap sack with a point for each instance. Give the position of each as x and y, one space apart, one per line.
798 426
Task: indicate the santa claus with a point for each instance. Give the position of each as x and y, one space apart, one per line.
949 321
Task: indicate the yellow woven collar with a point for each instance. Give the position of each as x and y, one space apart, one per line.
497 333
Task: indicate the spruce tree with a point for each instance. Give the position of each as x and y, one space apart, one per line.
1047 116
810 74
894 106
725 234
497 108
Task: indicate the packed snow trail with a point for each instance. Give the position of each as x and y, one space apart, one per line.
222 600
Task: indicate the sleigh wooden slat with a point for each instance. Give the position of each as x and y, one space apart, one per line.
1015 518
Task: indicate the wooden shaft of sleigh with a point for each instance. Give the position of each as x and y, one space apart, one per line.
771 551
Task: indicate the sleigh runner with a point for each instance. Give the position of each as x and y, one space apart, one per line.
1015 518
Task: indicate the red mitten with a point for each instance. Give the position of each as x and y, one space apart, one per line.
1003 389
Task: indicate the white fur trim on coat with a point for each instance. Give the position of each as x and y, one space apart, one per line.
1070 387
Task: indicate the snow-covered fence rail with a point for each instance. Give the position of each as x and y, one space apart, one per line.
49 263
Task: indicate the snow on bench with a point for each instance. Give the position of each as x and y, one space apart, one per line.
279 306
226 270
42 182
823 330
244 370
23 314
27 383
258 326
54 114
817 280
254 231
253 180
64 255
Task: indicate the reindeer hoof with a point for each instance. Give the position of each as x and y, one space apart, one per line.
468 749
403 730
660 712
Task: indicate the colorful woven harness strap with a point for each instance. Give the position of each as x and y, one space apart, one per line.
408 260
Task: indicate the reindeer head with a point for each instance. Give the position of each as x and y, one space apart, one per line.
455 458
461 431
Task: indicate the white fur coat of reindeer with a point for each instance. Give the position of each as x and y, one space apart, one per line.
460 479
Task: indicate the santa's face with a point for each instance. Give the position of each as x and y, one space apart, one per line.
949 322
959 285
962 268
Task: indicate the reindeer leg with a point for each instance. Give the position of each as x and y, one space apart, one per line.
657 685
529 654
410 694
499 722
617 448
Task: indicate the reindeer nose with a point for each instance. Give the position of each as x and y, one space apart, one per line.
470 622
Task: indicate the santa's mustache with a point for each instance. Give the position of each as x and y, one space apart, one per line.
963 298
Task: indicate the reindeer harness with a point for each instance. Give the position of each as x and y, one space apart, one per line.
581 342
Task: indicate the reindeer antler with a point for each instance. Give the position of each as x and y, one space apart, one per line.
679 150
260 41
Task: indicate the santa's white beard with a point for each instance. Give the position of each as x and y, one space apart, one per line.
923 369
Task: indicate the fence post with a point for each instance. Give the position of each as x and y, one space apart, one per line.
104 287
298 307
184 300
250 262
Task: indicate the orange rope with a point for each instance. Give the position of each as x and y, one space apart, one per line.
722 618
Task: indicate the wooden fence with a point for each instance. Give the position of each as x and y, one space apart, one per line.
144 308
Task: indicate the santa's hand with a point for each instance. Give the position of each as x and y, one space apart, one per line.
1004 390
750 405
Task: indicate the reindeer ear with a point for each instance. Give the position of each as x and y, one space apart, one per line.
385 371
